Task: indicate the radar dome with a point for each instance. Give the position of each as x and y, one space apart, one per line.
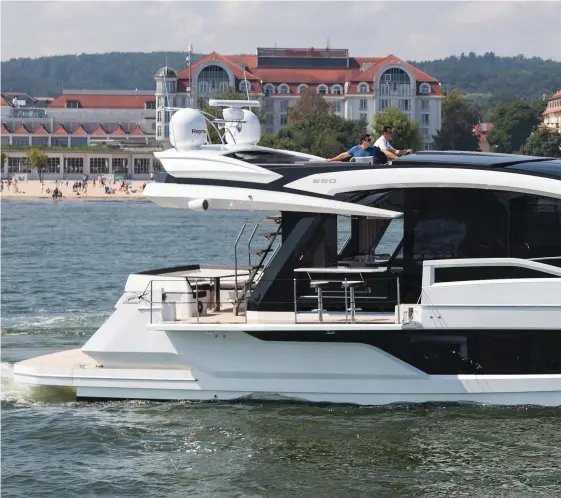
187 129
247 133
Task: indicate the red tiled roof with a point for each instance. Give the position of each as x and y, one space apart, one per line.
360 69
4 129
97 101
4 102
556 95
482 135
419 75
553 110
137 131
236 70
304 75
22 130
41 130
118 131
61 130
79 131
99 131
250 61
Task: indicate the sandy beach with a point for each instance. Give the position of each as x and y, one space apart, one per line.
32 190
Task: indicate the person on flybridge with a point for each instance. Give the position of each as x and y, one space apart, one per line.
365 149
384 145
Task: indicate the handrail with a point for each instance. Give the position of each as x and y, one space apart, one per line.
249 242
295 298
236 258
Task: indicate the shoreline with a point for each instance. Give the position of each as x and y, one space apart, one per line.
31 190
16 197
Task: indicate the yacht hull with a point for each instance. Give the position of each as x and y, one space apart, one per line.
235 381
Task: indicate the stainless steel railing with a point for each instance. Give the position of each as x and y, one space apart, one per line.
194 288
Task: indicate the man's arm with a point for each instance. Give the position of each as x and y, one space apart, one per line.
395 153
391 153
340 157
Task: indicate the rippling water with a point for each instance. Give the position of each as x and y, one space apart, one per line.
64 265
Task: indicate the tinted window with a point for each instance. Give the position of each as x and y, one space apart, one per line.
265 157
455 223
535 227
465 273
551 169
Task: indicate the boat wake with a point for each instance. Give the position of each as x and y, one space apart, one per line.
15 393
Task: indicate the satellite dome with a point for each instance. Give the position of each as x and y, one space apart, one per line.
187 129
247 133
166 72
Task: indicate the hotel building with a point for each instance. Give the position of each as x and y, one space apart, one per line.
356 87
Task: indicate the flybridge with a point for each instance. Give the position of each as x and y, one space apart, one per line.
303 57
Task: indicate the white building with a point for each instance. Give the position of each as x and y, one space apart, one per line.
357 87
79 118
552 113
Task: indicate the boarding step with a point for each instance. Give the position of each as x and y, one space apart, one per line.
268 234
261 251
276 219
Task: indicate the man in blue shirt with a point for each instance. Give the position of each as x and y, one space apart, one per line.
365 149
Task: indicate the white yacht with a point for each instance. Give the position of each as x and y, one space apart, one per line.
465 306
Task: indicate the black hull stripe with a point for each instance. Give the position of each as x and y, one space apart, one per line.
293 173
449 351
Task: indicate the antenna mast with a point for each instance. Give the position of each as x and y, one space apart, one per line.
189 51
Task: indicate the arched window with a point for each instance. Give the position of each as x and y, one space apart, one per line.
301 87
424 88
395 80
269 89
213 79
322 89
283 88
245 86
363 87
337 90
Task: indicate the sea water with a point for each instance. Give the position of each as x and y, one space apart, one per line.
64 265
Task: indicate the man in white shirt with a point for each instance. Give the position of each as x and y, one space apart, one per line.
383 143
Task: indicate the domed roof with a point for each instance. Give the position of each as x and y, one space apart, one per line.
166 72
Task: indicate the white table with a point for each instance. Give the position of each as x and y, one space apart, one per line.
339 269
214 274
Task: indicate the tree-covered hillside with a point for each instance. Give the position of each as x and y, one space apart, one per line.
518 77
47 76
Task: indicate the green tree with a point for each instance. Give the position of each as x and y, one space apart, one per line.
458 122
543 142
406 134
512 124
323 136
37 159
310 105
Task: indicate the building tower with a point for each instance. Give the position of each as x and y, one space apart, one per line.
166 96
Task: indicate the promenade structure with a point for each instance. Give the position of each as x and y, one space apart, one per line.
79 118
73 164
357 87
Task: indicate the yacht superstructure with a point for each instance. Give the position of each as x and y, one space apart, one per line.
463 304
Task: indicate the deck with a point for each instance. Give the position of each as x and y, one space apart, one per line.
227 316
